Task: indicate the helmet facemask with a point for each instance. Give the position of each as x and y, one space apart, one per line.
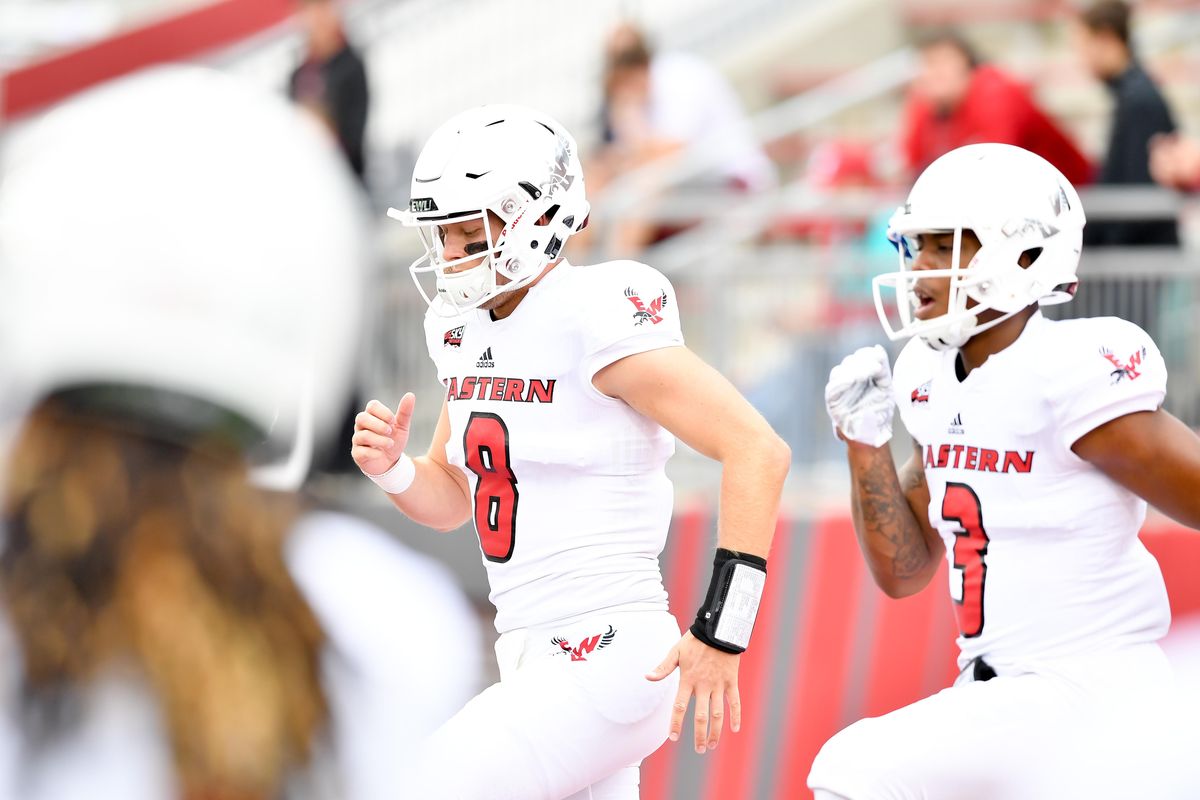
518 253
966 282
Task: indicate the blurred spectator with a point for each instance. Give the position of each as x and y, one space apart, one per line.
1175 162
332 82
174 621
955 100
659 104
1140 114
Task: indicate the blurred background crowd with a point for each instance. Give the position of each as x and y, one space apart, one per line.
753 152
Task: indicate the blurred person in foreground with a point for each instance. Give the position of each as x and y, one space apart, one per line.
181 266
660 104
563 389
955 100
331 82
1139 115
1037 445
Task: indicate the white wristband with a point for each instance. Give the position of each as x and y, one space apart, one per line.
398 478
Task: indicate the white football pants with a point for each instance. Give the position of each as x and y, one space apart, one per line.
1097 726
572 716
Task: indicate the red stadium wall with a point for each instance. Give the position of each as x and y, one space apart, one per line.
829 648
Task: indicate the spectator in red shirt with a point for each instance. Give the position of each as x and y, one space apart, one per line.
956 101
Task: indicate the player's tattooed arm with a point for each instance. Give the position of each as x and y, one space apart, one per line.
890 510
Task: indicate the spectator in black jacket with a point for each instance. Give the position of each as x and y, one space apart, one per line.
332 82
1140 114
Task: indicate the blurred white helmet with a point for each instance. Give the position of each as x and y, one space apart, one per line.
514 162
192 243
1015 202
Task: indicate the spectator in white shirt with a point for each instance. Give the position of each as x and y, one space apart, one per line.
669 103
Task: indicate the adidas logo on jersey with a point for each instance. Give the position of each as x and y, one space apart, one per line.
956 425
485 361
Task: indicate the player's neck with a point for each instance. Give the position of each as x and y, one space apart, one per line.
513 299
983 345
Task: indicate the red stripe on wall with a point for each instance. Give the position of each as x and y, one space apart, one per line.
1178 552
943 650
834 586
688 537
178 38
904 631
735 762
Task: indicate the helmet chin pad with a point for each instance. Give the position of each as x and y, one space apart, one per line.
466 288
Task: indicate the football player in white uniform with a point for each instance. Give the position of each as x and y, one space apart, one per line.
563 388
1037 445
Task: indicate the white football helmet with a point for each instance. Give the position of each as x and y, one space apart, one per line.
515 162
195 242
1014 201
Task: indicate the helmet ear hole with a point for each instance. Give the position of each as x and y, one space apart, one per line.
1028 257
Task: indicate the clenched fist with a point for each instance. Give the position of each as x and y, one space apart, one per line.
859 397
380 436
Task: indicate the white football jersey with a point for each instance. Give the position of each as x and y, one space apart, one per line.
571 500
1043 550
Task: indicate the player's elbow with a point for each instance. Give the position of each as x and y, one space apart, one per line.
899 587
774 455
898 590
453 521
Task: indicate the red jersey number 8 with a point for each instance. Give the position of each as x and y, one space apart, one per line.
485 444
961 505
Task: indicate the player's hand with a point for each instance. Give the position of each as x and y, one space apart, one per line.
859 397
380 436
712 676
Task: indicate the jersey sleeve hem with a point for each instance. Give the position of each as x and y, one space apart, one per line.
1075 430
624 348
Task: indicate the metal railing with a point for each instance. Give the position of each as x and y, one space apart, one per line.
776 318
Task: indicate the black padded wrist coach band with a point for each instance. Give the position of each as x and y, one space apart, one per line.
726 618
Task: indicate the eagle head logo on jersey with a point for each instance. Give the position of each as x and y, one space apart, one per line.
921 393
1124 371
643 314
580 651
453 337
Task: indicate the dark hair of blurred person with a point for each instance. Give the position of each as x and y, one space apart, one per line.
627 57
947 63
123 543
1110 17
1140 115
957 99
